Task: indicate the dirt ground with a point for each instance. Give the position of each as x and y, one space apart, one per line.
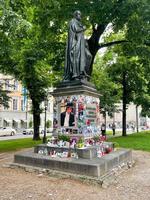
16 184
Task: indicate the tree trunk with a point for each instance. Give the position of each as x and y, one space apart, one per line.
91 66
124 133
36 119
137 119
105 120
94 46
93 43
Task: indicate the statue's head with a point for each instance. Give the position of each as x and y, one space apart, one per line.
77 15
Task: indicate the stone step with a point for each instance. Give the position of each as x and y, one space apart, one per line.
96 167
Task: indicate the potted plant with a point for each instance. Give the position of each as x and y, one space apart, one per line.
64 138
80 143
96 138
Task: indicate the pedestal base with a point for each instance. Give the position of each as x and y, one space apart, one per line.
76 109
96 167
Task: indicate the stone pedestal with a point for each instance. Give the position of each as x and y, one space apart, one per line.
95 167
86 152
83 100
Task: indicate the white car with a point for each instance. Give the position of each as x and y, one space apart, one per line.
28 131
48 130
7 131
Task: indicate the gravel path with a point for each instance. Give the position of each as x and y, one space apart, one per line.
16 184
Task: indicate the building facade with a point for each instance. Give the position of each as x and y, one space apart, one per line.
19 115
133 117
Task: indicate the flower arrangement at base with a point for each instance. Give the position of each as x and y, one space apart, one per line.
64 138
80 143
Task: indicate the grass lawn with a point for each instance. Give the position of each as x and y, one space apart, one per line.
137 141
13 145
111 132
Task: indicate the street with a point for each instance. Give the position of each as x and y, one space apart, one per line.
19 136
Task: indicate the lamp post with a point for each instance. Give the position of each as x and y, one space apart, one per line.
45 104
26 112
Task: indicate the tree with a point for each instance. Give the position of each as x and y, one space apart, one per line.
128 64
30 124
126 70
48 123
110 92
28 53
4 98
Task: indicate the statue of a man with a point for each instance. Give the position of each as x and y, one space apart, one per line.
76 50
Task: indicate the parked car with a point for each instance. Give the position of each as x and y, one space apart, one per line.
143 128
41 129
7 131
48 130
28 131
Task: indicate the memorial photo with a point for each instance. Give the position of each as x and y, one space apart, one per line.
67 118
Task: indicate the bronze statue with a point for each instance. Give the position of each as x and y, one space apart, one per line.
77 54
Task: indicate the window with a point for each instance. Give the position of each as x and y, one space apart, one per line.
15 85
7 85
5 108
15 104
22 105
49 107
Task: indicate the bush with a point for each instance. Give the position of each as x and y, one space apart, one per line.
80 141
96 138
48 123
30 124
64 138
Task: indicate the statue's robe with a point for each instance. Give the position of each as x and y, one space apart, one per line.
75 62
